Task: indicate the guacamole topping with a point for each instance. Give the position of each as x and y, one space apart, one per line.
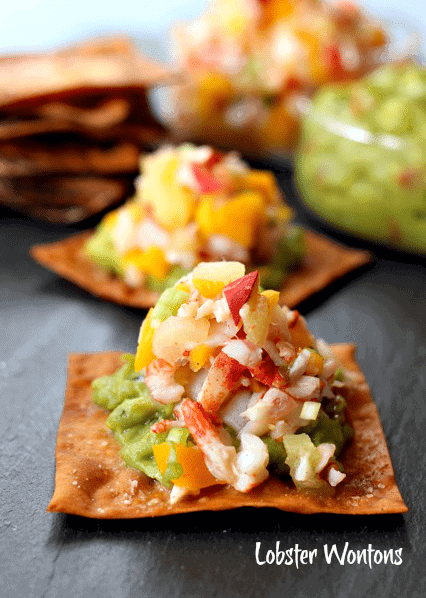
192 204
227 387
361 164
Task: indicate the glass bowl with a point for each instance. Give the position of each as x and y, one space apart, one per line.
361 160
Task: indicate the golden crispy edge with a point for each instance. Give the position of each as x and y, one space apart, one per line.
324 262
92 480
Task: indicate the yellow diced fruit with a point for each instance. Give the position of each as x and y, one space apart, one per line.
144 354
272 297
263 181
224 272
172 204
213 90
152 261
199 356
110 220
208 288
136 211
239 218
315 364
204 216
181 286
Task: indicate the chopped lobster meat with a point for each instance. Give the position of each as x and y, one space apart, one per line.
222 378
268 373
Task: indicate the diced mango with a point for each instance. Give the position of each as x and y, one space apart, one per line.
263 181
199 355
208 288
195 473
182 286
204 216
238 218
144 354
151 261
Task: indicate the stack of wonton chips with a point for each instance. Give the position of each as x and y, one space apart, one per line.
72 127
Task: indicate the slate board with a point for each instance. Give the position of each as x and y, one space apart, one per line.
207 555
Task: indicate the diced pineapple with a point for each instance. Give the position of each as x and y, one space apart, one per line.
175 334
171 203
272 297
224 272
256 318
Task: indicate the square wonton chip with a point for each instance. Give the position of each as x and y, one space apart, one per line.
324 262
93 481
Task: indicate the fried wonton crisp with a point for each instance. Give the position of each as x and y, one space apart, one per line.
324 262
93 481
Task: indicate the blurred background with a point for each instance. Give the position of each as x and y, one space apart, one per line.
30 25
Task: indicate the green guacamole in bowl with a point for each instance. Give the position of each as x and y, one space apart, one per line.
361 162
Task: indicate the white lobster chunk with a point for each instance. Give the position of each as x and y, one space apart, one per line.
299 365
195 384
329 368
335 477
221 246
122 233
273 353
205 309
279 324
251 463
220 333
276 405
327 450
179 492
243 352
161 383
220 460
306 388
221 310
231 412
149 233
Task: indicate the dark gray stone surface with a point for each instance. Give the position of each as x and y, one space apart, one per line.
205 555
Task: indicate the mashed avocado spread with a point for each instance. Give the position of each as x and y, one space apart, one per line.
133 413
361 163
